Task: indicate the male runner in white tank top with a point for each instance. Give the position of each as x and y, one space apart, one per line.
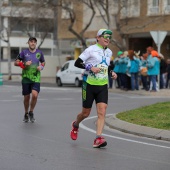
95 60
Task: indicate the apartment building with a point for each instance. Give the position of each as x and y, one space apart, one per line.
136 19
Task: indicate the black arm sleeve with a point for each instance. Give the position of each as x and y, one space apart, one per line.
79 63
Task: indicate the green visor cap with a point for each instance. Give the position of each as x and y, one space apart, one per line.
107 32
103 32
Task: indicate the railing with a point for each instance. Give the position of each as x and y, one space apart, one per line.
37 34
153 10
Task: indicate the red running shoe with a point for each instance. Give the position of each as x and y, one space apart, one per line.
99 142
74 132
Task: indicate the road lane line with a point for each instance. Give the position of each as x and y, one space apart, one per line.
120 138
8 100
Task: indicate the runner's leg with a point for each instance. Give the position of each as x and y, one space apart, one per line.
26 102
81 116
33 100
101 112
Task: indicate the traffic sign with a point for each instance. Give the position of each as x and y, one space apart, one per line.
158 36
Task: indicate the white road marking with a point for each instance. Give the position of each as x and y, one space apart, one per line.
63 99
9 100
62 89
148 97
124 139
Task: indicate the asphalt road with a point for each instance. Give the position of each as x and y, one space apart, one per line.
46 144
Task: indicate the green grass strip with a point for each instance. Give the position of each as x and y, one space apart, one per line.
155 116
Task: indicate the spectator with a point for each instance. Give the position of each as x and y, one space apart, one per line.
144 76
168 73
134 66
117 68
127 72
153 66
123 71
163 67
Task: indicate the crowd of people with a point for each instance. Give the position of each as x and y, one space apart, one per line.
150 70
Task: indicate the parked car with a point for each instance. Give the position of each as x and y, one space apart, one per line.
69 74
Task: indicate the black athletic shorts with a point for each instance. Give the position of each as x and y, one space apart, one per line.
28 87
93 92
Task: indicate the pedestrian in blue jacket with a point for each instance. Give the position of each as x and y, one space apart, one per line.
134 67
123 70
153 65
117 68
144 76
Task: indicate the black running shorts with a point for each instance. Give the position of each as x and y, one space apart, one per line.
93 92
28 87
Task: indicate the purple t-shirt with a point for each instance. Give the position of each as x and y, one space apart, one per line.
30 73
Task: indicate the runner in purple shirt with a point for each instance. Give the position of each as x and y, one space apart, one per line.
32 62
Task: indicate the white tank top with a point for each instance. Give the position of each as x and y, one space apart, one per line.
98 57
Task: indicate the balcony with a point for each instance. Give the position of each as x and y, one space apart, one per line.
153 11
167 9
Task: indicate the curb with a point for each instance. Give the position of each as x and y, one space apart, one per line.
138 130
160 93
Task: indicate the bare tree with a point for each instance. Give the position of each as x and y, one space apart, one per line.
74 12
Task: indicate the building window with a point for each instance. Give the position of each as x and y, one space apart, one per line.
18 24
155 3
134 8
153 7
130 9
166 7
168 2
42 25
14 52
46 52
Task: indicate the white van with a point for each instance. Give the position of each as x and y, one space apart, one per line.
69 74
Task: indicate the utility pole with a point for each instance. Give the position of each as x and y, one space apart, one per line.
0 32
55 3
55 32
1 78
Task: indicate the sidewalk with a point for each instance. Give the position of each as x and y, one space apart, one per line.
162 92
126 127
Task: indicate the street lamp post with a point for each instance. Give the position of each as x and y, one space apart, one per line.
0 33
55 32
1 78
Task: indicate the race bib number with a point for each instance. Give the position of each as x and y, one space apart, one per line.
100 78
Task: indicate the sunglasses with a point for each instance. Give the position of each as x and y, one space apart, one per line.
106 36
